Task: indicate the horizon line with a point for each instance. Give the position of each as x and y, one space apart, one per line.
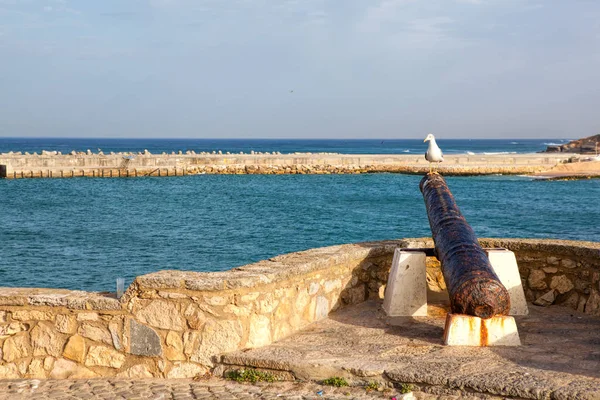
279 138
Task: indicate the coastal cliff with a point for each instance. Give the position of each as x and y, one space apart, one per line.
587 145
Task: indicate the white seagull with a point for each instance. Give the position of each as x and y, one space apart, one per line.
433 153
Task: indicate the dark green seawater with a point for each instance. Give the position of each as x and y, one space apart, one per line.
84 233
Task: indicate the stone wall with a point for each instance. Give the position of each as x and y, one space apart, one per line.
175 324
50 165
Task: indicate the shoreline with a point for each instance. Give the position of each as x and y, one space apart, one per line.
53 165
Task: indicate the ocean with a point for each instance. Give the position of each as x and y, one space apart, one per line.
83 233
364 146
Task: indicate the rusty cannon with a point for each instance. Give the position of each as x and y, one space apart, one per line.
473 286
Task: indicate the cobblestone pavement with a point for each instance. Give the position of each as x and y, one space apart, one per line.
186 389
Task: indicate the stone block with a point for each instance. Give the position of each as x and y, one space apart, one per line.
195 317
536 279
96 333
186 370
504 264
101 356
138 371
546 299
218 336
9 371
46 341
65 369
467 330
75 349
16 347
36 369
161 314
260 331
32 315
174 348
406 289
561 284
12 329
65 323
143 340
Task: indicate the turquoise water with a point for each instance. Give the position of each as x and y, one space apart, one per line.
84 233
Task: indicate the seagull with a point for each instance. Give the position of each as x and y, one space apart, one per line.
433 153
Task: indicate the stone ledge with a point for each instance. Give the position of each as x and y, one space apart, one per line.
71 299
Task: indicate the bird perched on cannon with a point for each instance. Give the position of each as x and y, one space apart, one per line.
434 153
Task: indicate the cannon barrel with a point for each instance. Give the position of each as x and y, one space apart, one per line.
473 286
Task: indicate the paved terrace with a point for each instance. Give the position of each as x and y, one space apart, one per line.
559 357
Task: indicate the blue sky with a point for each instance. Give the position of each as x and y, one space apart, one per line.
300 68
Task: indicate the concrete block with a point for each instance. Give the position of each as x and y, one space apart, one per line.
466 330
406 289
505 266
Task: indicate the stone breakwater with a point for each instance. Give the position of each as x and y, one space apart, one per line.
176 324
55 165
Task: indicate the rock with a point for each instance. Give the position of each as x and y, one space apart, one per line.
113 327
567 263
217 337
161 314
136 372
572 301
354 295
174 349
268 304
561 283
552 260
75 349
32 315
249 298
545 300
235 310
186 370
104 357
65 369
550 270
190 342
260 331
593 303
12 328
65 323
97 333
46 341
9 371
195 317
87 316
536 279
143 340
2 316
16 347
36 369
322 308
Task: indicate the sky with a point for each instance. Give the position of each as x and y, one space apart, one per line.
300 68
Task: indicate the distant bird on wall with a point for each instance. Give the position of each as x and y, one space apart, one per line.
433 153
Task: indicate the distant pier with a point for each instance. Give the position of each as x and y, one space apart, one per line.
51 164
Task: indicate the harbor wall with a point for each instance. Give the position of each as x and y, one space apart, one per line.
176 324
143 164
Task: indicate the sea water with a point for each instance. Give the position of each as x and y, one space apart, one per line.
83 233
